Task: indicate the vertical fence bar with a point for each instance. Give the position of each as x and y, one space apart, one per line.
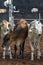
11 19
39 16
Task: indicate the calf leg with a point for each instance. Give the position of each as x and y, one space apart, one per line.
38 49
15 48
4 50
32 50
9 52
22 49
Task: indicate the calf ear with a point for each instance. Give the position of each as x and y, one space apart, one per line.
9 25
2 24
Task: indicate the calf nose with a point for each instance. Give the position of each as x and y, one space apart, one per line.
7 29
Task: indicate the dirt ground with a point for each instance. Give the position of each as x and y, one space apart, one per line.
26 60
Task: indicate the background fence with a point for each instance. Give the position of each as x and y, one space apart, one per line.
25 7
28 16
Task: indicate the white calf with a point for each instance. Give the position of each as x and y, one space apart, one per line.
34 34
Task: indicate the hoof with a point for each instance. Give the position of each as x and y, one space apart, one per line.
11 57
32 59
22 56
3 57
14 56
38 57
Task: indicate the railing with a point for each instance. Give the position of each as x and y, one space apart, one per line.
29 19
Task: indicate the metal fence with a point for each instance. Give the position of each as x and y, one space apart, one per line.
28 16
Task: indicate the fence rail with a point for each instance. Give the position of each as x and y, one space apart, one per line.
29 19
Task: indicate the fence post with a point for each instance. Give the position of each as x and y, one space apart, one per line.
11 19
39 16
